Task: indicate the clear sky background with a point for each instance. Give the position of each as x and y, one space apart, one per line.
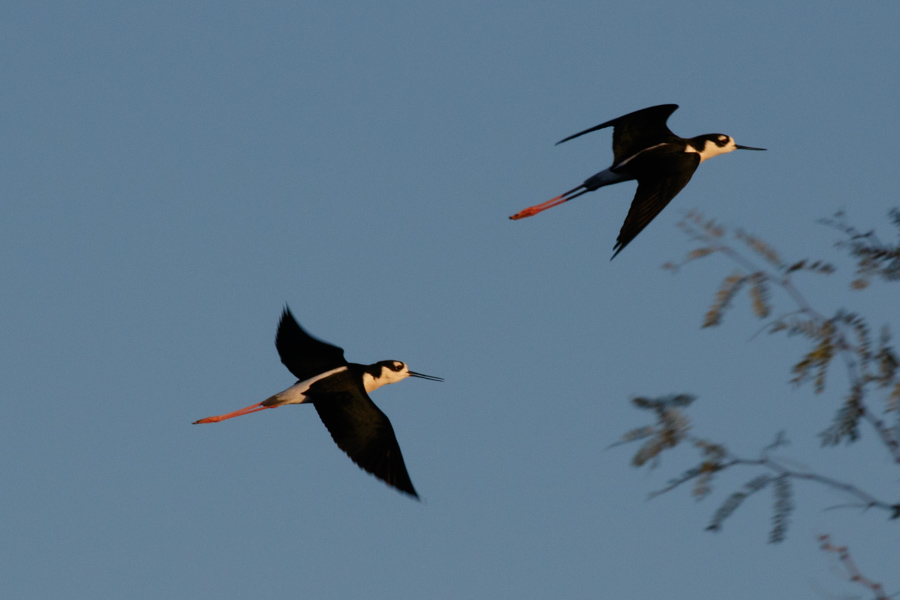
173 173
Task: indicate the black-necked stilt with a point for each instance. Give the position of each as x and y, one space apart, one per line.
644 149
339 391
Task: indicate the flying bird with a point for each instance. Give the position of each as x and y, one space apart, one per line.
644 149
340 392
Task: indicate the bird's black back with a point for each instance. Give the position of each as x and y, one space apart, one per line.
301 353
637 130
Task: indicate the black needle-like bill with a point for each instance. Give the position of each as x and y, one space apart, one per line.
423 376
301 353
360 429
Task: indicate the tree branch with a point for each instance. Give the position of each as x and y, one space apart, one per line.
867 499
842 344
853 571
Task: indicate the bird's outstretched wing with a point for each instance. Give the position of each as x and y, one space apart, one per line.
653 194
301 353
361 430
636 131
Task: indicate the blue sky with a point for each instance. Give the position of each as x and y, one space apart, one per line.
172 175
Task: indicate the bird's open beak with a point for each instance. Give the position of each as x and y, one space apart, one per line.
747 147
428 377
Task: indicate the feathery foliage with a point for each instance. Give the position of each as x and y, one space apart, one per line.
875 259
730 287
844 339
736 499
671 426
783 507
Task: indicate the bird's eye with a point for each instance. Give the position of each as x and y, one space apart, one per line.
398 366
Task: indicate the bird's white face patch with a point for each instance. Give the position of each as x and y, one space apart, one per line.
296 394
714 146
392 371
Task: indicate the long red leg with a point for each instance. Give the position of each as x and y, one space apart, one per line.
244 411
533 210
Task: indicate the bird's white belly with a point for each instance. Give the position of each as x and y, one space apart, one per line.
296 394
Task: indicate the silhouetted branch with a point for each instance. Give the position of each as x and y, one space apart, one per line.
671 429
729 460
853 572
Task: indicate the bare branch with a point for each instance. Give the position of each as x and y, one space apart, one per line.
716 458
853 572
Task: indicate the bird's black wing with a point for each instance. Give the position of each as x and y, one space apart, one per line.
301 353
636 131
361 430
653 194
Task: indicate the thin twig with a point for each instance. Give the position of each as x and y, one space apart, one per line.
867 499
853 571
